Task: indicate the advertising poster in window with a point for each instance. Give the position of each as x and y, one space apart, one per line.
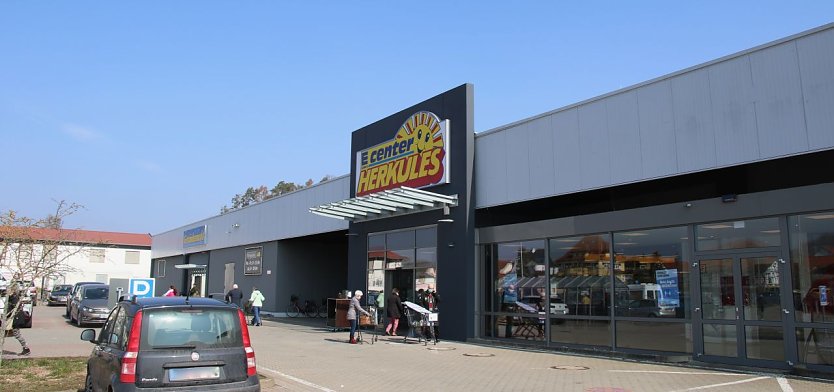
253 260
668 281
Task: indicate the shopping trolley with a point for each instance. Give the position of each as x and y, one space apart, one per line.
421 323
371 322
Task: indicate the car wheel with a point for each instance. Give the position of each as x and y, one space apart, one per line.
88 382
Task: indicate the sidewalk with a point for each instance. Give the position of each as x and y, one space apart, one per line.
303 355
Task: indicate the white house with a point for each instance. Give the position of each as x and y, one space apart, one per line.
88 255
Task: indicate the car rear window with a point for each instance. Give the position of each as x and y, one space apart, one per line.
191 328
96 293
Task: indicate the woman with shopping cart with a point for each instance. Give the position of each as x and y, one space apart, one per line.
394 310
353 310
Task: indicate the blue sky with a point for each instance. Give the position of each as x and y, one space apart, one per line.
154 114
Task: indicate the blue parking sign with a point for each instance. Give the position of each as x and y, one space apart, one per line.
141 287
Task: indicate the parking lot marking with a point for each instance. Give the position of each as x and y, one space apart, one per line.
783 383
298 380
723 384
669 372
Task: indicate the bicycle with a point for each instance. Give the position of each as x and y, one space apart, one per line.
294 309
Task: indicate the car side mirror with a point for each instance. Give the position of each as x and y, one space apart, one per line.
89 335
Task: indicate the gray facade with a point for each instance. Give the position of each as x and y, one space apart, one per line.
768 102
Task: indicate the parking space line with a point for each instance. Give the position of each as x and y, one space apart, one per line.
783 383
298 380
722 384
670 372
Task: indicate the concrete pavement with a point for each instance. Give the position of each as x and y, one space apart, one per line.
303 355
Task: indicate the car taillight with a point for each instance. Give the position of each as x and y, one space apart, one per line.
251 369
128 374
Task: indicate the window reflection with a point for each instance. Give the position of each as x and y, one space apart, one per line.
812 261
751 233
520 287
651 275
579 276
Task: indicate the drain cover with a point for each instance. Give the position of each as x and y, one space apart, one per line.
479 355
569 367
441 348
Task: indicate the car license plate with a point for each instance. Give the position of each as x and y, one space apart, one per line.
195 373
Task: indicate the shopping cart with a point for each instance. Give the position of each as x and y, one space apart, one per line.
421 323
369 322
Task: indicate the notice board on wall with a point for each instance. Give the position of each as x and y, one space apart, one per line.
253 261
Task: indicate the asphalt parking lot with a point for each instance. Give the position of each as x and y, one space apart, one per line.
303 355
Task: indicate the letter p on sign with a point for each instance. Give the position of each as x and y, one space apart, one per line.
141 287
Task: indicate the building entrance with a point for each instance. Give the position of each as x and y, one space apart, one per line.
403 280
743 309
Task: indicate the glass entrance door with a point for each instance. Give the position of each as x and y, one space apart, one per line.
742 313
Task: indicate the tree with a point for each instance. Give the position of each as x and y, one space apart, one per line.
32 249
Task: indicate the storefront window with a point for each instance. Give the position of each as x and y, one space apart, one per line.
520 287
651 273
580 280
406 260
751 233
812 261
673 337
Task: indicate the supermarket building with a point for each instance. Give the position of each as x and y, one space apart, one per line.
690 216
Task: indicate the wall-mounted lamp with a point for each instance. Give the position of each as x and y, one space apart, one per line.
236 225
446 213
688 205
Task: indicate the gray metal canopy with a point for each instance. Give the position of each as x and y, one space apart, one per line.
385 204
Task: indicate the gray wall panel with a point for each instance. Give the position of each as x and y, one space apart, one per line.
286 216
517 151
624 137
734 112
779 109
542 180
657 130
491 161
593 145
567 155
694 130
816 65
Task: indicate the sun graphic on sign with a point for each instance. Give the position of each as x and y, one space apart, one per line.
424 129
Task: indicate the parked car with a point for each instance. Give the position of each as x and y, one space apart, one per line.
172 344
648 308
72 294
59 294
89 305
558 306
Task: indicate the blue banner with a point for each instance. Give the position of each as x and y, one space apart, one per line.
193 237
668 281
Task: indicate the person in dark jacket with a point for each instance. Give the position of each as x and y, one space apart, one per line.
235 296
394 310
14 302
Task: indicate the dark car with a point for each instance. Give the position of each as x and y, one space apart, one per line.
648 308
89 305
59 295
172 344
72 294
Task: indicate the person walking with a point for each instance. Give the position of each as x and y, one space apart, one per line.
172 292
394 311
16 321
235 296
354 308
195 291
257 300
